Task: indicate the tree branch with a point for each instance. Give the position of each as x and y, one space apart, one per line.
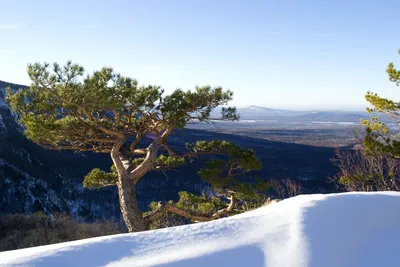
224 211
194 154
135 142
148 163
139 151
101 140
169 150
101 128
79 148
167 207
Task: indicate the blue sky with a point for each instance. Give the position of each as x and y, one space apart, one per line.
283 54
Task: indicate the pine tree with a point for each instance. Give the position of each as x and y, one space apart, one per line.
380 138
105 112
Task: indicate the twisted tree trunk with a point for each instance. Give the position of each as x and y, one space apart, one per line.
127 180
130 210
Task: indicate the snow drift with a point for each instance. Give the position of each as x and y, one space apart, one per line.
352 229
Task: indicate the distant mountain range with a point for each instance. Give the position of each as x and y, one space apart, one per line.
290 116
257 111
261 111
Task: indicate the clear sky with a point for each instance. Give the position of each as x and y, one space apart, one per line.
297 54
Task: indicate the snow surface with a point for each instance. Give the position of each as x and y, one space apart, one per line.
352 229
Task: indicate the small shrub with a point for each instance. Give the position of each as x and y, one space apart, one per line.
21 231
360 171
286 188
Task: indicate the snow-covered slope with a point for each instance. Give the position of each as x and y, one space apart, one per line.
353 229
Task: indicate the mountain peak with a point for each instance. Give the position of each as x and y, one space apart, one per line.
253 109
257 107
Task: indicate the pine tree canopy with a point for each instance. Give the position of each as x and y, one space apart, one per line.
65 110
